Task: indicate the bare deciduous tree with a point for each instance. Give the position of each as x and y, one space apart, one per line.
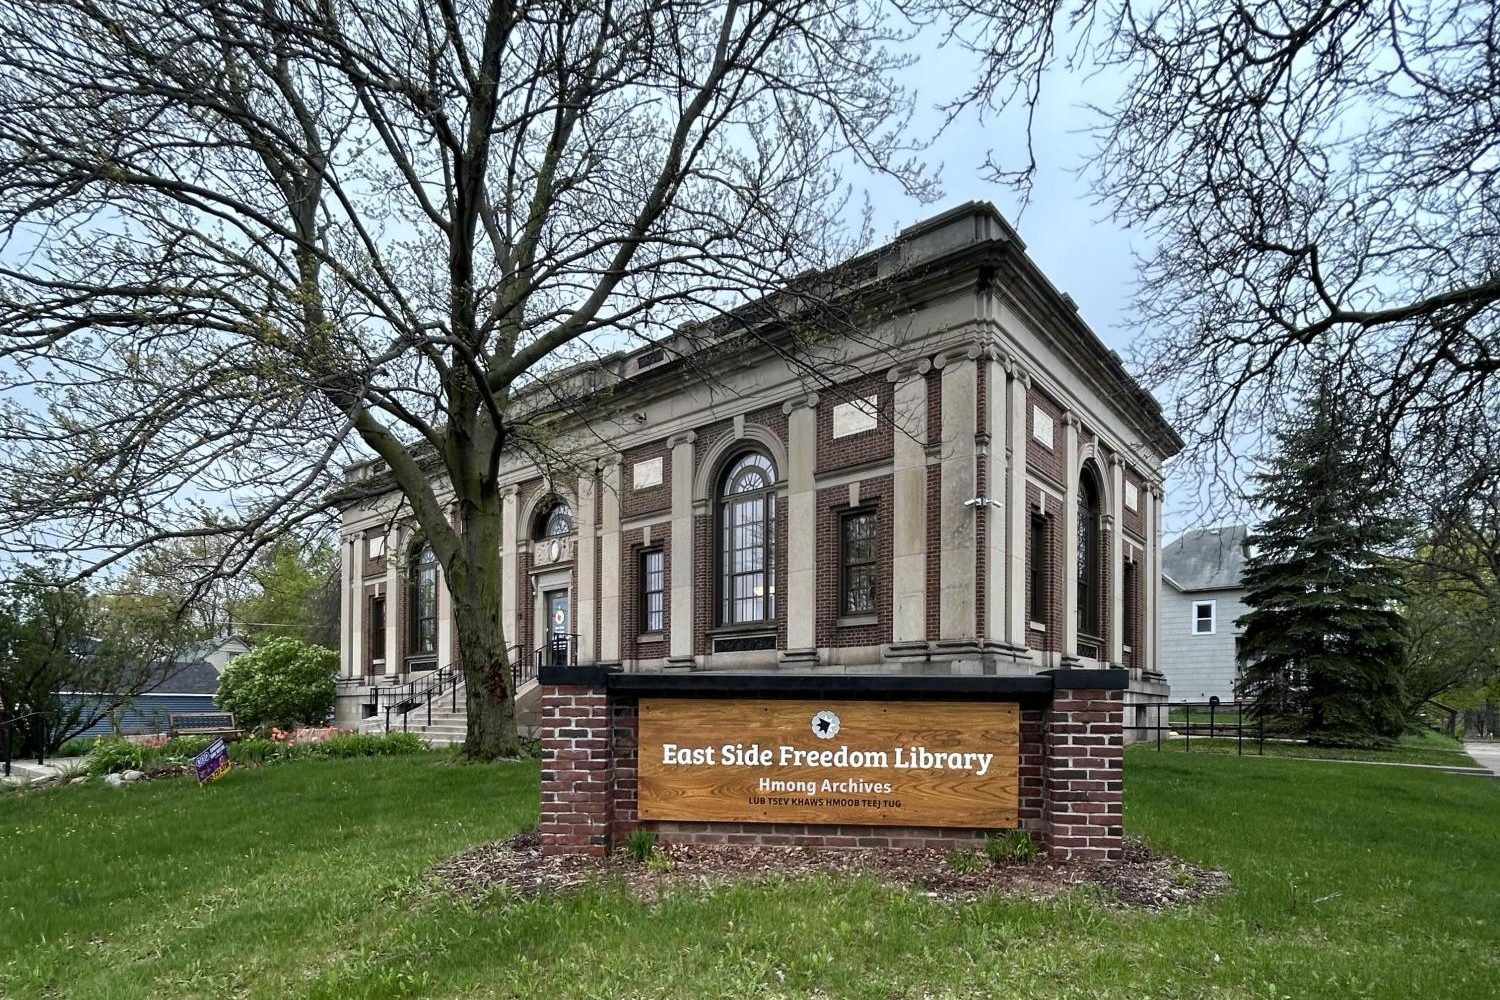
244 236
1319 181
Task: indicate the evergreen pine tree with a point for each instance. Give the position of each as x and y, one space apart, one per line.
1324 642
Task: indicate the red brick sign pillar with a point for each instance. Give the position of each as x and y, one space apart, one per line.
577 770
1083 749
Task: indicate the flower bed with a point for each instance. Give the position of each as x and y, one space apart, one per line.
161 755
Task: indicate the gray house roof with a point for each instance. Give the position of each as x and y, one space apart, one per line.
1205 558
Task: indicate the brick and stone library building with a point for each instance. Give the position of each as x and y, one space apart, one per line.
892 588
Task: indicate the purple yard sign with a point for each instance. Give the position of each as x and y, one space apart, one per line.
212 763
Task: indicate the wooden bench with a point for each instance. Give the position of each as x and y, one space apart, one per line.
203 724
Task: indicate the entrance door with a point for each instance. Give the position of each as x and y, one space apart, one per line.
558 632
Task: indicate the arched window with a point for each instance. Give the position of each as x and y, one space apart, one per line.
747 551
1089 586
555 521
423 600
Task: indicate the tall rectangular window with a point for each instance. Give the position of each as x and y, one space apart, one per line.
375 629
653 590
857 557
1038 568
1203 618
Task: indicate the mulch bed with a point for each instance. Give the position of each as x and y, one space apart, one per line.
517 867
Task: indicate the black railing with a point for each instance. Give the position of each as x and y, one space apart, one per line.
403 699
410 696
560 650
522 667
7 727
1211 719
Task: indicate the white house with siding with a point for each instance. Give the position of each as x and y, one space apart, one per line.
1202 598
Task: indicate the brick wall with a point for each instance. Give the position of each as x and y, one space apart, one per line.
1051 639
1042 461
578 781
865 446
1070 789
634 502
1134 520
833 503
1082 793
632 544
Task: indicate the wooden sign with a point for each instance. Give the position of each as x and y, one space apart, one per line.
914 763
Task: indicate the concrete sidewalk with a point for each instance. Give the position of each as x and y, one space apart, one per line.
30 770
1486 754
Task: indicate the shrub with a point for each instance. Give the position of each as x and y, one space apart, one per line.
114 756
964 862
252 750
1010 847
640 845
283 683
368 745
78 746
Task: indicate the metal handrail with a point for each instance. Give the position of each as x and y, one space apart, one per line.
405 698
6 725
560 650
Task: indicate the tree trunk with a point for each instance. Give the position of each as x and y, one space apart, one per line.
474 585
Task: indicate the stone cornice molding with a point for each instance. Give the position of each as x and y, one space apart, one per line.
809 400
908 370
969 353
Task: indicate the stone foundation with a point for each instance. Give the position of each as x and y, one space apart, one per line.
1071 752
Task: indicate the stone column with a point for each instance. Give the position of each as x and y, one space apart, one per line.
609 564
395 621
347 601
583 558
1116 560
509 512
1016 513
680 646
1153 585
909 510
445 644
1150 571
1070 537
997 506
957 621
802 532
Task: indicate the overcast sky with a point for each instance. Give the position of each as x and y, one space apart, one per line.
1080 249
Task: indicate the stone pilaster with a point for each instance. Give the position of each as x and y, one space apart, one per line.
585 610
1153 583
509 566
997 504
1070 537
1016 514
349 599
801 606
909 510
957 583
609 563
680 644
1116 560
396 542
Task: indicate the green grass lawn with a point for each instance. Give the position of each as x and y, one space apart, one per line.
301 881
1416 748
